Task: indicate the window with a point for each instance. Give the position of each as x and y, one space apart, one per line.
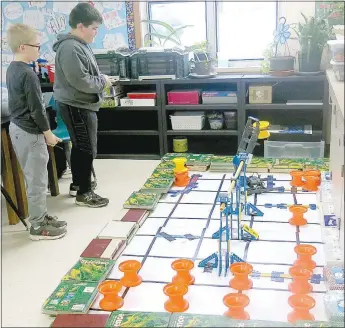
234 30
245 29
178 14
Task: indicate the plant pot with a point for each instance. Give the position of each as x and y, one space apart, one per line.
282 63
309 57
202 68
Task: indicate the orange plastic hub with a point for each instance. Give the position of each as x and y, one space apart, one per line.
296 178
311 183
300 283
111 300
304 256
236 303
176 302
182 178
183 268
241 272
301 305
314 173
297 215
130 269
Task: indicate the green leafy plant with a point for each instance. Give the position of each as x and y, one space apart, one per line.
313 33
268 54
159 38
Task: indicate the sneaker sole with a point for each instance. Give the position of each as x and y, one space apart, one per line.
39 237
89 205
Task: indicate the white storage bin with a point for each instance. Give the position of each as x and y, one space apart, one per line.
338 69
337 48
284 149
187 120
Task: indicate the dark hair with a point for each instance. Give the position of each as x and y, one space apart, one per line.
84 13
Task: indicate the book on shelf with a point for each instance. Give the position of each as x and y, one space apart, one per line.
89 270
141 200
71 297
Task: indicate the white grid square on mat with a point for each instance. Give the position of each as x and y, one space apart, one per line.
192 211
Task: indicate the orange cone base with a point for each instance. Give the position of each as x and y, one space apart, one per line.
237 284
111 305
179 280
170 306
131 282
297 288
298 222
293 317
310 265
243 315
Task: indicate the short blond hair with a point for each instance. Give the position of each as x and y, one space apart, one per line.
19 34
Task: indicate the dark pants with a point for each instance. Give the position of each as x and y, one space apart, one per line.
82 128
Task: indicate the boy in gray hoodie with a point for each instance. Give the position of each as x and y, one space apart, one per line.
78 88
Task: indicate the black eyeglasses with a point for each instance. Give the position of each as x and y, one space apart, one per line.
32 45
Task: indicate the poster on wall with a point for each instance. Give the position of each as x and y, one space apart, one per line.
51 18
333 10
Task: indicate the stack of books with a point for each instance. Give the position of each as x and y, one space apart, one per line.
142 200
78 288
221 164
157 186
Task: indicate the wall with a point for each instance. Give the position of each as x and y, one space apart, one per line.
291 10
51 18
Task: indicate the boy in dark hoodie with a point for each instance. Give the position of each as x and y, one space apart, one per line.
78 88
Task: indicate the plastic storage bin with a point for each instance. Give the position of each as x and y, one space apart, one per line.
337 48
216 120
187 120
284 149
230 120
338 69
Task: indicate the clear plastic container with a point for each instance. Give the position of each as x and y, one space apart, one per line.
338 69
216 123
337 48
285 149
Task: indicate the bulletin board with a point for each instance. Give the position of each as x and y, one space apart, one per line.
51 18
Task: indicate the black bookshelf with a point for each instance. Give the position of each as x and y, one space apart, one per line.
146 132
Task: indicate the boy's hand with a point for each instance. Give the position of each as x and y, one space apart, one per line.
109 81
51 138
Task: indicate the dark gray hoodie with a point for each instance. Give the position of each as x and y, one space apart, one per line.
78 81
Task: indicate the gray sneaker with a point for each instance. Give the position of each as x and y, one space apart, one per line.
53 221
90 199
46 231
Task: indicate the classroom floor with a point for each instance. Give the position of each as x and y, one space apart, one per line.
31 270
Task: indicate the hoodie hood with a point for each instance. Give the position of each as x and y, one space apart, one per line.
63 37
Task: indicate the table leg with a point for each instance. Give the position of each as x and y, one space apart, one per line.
19 183
52 173
8 177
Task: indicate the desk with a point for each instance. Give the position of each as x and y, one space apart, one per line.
336 93
13 177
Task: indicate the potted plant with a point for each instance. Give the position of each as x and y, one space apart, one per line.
282 63
160 33
312 36
202 61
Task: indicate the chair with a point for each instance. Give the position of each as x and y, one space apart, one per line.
62 133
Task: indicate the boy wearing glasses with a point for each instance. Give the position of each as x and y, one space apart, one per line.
29 130
78 88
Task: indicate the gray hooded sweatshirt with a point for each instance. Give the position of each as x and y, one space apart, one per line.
78 81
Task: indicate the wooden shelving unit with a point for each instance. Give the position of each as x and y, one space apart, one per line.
146 132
